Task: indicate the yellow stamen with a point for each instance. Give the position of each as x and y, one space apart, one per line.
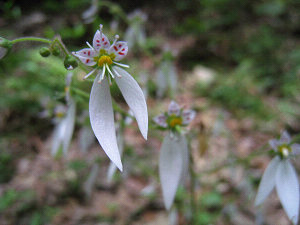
104 60
175 121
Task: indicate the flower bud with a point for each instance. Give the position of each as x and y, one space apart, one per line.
5 46
44 51
70 62
55 51
5 43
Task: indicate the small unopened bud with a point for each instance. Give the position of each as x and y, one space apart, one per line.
44 51
5 43
5 46
55 51
70 62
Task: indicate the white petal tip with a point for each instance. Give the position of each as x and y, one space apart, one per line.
120 167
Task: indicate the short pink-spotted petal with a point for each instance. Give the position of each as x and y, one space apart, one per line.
86 52
188 116
174 109
120 50
102 119
161 120
100 41
87 61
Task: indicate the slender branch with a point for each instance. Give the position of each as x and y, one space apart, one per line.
22 39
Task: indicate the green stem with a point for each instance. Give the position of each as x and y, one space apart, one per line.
22 39
80 92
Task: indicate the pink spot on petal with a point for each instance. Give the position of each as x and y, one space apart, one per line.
105 43
97 41
102 39
87 61
123 49
121 53
120 46
98 45
89 53
115 48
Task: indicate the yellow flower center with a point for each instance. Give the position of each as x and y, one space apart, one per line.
175 121
105 59
284 150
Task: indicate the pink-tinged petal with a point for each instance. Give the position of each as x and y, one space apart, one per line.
295 149
161 120
100 41
120 50
287 187
174 108
274 144
267 182
102 120
188 116
69 127
170 167
134 97
285 138
86 52
87 61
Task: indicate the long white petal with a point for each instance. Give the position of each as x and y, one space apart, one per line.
69 127
267 182
112 168
170 167
102 120
287 187
57 137
134 97
185 158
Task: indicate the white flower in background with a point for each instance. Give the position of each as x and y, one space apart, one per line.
281 174
166 75
173 161
63 131
104 57
89 15
135 34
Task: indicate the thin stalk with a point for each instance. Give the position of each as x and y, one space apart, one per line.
22 39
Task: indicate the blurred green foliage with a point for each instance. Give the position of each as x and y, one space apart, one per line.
231 32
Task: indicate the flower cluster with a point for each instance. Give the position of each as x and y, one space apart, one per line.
104 58
173 160
281 174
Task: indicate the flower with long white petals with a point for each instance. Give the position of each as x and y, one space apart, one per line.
173 160
281 174
63 131
104 58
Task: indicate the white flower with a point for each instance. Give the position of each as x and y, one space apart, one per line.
135 34
63 131
174 157
104 58
174 117
166 78
281 174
